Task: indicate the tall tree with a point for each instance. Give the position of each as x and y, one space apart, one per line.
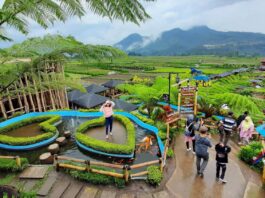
15 13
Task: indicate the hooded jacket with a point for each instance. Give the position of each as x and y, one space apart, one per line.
201 145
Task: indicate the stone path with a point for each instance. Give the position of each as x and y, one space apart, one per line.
242 181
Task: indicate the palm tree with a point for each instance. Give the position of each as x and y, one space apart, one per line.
45 12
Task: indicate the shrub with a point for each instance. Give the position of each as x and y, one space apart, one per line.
45 125
144 119
154 175
247 153
107 147
162 135
95 178
142 110
10 164
170 153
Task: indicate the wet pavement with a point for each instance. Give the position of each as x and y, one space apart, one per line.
185 183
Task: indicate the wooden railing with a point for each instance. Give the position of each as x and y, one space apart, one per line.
88 163
17 158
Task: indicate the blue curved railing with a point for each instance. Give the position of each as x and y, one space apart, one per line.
68 113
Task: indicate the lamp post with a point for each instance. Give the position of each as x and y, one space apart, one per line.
169 84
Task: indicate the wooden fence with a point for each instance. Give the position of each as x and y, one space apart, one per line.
17 158
86 165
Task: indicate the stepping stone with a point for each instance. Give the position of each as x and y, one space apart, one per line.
46 187
72 191
144 195
127 195
161 194
46 158
61 141
88 192
53 148
67 134
34 172
59 187
108 194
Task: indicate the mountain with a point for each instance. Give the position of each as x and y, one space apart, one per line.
199 40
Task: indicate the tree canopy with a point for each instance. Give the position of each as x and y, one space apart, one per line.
17 13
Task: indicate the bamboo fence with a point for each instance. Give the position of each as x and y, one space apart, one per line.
17 158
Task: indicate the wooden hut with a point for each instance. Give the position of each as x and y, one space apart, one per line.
34 89
113 92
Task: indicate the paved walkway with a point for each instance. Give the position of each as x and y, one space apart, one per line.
184 182
242 181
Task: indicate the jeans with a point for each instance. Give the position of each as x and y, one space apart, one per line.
201 166
225 136
218 167
108 124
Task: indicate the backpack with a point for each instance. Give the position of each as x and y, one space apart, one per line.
187 131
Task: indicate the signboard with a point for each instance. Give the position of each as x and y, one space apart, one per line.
187 99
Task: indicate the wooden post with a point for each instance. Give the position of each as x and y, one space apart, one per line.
10 102
18 161
3 109
161 164
195 102
179 101
37 96
24 96
88 168
30 96
18 96
57 165
126 173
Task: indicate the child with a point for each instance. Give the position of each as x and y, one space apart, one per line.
221 160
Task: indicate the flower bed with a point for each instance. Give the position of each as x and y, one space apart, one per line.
45 125
104 146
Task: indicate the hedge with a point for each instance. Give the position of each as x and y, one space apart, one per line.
45 125
104 146
10 164
248 152
143 118
141 109
154 176
95 178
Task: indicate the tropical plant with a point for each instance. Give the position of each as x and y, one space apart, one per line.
205 107
154 176
46 12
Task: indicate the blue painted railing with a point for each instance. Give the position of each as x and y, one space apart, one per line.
72 113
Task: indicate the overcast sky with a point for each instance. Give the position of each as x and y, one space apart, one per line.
223 15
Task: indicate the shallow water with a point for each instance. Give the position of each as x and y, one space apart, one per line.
30 130
72 150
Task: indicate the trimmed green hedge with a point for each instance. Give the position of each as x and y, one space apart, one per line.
45 125
10 164
95 178
141 109
104 146
143 118
154 176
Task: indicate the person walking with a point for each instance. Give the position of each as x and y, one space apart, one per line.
228 125
238 122
202 143
246 129
221 160
189 134
107 109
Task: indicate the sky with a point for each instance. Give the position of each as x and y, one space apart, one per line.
222 15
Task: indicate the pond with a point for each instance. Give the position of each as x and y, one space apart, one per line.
72 150
30 130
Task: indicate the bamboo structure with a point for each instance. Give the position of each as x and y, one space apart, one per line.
35 89
85 165
17 158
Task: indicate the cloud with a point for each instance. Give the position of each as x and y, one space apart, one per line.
224 15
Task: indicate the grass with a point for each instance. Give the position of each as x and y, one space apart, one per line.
7 179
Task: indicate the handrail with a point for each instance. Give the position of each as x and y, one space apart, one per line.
17 158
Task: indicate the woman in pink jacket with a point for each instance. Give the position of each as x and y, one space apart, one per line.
107 109
246 129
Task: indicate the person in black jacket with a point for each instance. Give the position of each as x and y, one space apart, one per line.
221 160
